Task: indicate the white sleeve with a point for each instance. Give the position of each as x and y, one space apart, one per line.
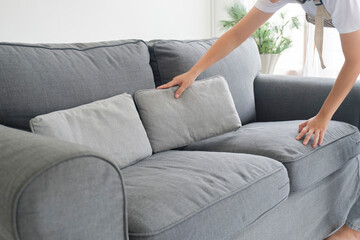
346 15
269 7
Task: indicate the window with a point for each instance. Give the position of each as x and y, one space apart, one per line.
301 58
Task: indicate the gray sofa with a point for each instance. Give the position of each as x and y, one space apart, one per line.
254 183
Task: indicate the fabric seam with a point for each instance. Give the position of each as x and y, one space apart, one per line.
321 148
322 179
71 48
257 219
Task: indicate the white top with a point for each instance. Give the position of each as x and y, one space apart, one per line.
345 14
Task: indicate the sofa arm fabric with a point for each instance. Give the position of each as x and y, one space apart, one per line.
51 189
280 98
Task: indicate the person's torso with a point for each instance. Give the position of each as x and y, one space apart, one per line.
345 14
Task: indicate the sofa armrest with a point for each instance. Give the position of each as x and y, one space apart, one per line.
51 189
279 98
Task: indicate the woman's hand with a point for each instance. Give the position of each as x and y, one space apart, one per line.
317 126
221 48
183 81
344 83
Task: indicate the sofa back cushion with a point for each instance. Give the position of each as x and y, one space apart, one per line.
205 110
42 78
172 57
111 126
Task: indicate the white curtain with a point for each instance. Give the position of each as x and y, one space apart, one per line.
332 53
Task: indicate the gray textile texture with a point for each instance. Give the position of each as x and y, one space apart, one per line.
280 98
41 78
181 195
170 58
353 220
51 189
305 165
312 214
205 110
111 127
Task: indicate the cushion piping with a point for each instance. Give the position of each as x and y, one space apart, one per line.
71 48
234 236
318 149
58 162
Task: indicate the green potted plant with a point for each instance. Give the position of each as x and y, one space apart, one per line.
271 39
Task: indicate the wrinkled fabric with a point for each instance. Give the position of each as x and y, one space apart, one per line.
200 195
306 165
314 213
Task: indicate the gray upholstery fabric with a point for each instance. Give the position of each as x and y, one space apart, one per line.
205 110
171 58
200 195
280 98
42 78
312 214
276 140
34 173
78 199
111 126
353 219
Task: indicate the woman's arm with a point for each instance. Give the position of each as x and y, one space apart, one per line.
221 48
344 83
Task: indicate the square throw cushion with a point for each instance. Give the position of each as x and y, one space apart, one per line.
111 127
204 110
170 58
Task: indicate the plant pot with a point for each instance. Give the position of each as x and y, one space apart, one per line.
268 62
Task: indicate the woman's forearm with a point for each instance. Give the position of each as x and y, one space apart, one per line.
348 74
344 83
231 40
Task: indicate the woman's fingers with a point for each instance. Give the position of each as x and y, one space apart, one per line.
180 90
302 133
316 126
168 85
322 134
316 138
308 136
183 81
302 125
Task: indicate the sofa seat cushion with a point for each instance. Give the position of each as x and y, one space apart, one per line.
200 195
305 165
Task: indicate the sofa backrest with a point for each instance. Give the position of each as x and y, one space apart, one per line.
41 78
170 58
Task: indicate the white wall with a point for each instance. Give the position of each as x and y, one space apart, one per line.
98 20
